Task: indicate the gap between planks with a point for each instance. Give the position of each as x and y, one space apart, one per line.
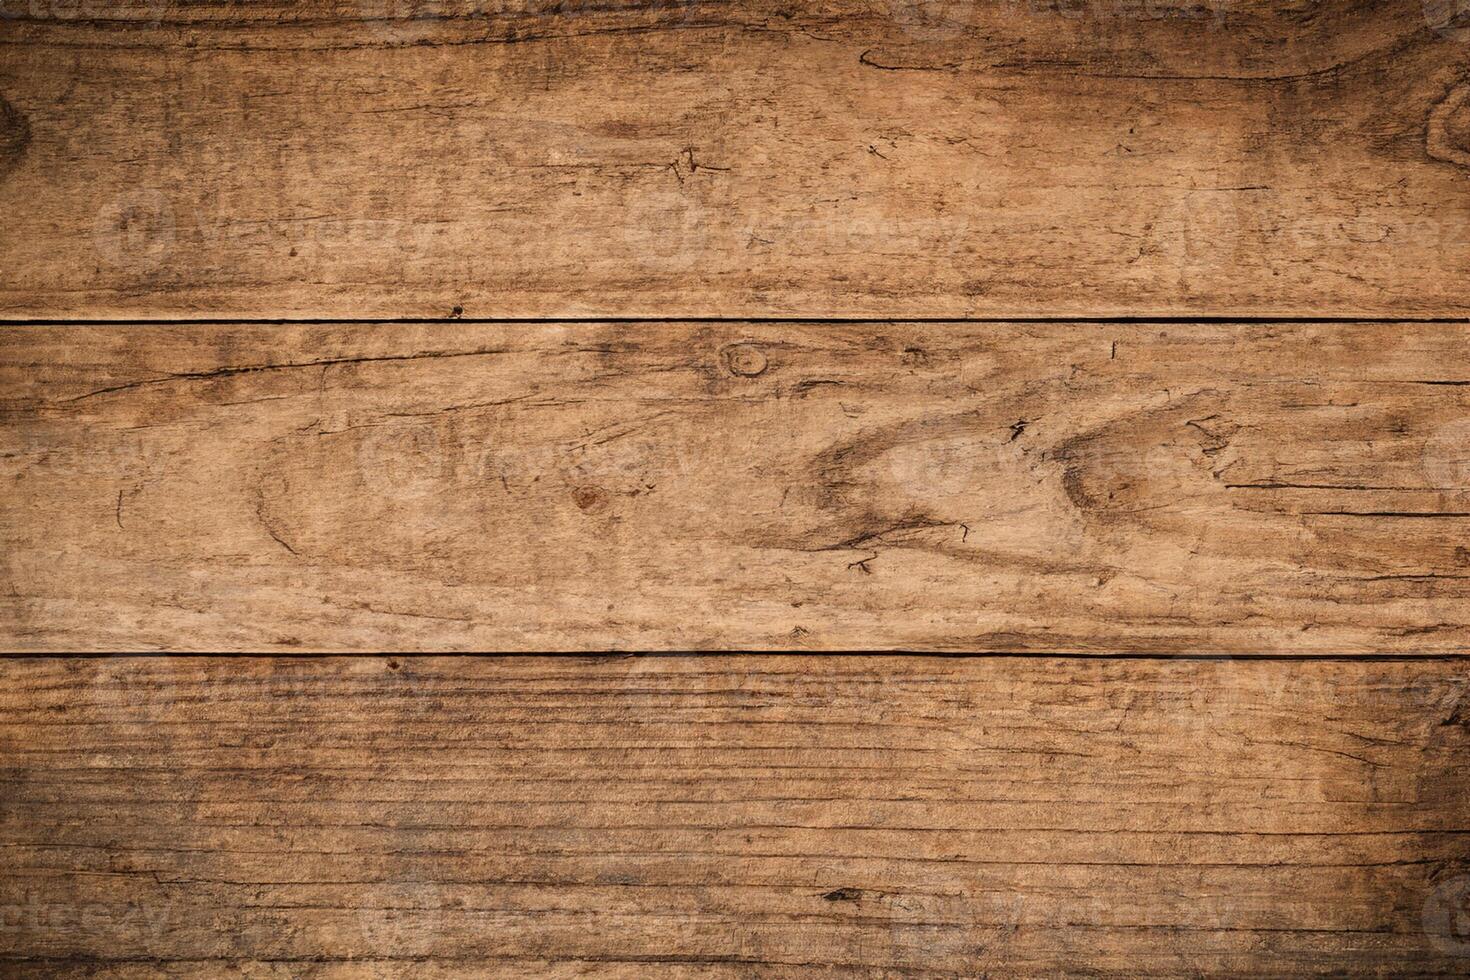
773 320
1291 658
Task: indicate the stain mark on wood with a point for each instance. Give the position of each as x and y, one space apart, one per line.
15 137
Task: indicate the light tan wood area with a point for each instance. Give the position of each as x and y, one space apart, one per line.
845 158
719 817
1068 487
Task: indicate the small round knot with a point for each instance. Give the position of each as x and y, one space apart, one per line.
590 499
745 360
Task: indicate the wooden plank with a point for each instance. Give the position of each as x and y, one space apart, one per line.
402 158
732 817
1149 487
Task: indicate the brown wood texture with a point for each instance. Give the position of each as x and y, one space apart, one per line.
1067 487
846 158
732 817
760 381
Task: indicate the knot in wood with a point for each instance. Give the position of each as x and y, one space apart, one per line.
745 360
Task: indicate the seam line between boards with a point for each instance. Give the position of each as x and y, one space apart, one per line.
753 320
584 655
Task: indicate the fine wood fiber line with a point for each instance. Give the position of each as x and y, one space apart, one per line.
1239 488
849 158
732 817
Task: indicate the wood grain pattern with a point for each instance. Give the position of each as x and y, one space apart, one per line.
748 158
1206 482
1067 487
731 817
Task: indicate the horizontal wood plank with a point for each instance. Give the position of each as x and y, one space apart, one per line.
1023 487
748 158
732 817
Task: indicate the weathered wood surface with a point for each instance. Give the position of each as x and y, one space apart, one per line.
727 817
1164 487
397 158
